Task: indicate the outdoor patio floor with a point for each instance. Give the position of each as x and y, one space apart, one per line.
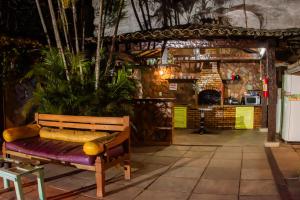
232 167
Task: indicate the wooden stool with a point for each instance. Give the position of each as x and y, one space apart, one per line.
15 173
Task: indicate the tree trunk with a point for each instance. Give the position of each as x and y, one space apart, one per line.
43 22
57 38
63 23
136 15
112 48
83 25
143 14
148 14
99 41
74 11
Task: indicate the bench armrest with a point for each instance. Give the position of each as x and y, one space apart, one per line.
122 137
99 146
22 132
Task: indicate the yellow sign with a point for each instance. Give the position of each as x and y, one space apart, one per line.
244 117
180 114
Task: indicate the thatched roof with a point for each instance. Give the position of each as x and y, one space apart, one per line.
197 31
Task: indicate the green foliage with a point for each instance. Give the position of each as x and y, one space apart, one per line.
55 95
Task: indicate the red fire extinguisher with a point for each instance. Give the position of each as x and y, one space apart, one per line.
265 87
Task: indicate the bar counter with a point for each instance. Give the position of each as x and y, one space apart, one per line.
221 116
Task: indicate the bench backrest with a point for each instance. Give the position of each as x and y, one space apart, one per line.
83 122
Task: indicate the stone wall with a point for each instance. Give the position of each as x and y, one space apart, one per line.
155 85
249 74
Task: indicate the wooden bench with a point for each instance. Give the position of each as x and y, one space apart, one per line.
102 161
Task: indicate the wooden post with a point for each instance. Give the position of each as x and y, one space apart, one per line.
272 88
264 102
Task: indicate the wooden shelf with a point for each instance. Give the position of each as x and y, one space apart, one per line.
230 81
181 80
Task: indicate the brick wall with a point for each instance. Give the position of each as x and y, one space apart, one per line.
220 117
209 79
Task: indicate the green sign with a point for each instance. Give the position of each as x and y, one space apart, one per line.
244 117
180 114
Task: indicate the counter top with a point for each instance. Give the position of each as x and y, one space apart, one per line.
155 99
217 106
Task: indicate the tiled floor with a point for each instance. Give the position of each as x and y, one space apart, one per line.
236 169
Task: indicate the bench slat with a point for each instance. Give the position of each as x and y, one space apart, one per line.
82 126
82 119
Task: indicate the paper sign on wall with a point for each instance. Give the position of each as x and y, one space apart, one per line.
173 86
244 117
180 114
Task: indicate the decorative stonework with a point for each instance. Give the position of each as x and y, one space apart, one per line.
209 79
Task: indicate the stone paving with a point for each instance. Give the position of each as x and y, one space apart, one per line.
182 172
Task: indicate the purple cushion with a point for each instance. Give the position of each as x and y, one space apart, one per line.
57 150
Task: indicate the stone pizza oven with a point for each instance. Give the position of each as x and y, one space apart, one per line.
210 86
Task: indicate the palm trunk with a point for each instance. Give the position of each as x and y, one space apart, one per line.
136 15
143 14
148 14
57 38
67 28
63 23
99 41
112 48
83 36
74 11
83 25
43 22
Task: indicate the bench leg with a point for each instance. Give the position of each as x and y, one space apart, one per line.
18 188
100 177
127 169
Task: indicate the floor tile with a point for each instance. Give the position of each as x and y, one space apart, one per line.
170 153
217 187
162 160
203 148
191 162
185 172
150 150
268 197
213 197
166 195
218 173
229 149
228 155
258 187
253 149
256 174
177 148
173 184
117 192
151 169
198 154
255 164
69 184
226 163
262 156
